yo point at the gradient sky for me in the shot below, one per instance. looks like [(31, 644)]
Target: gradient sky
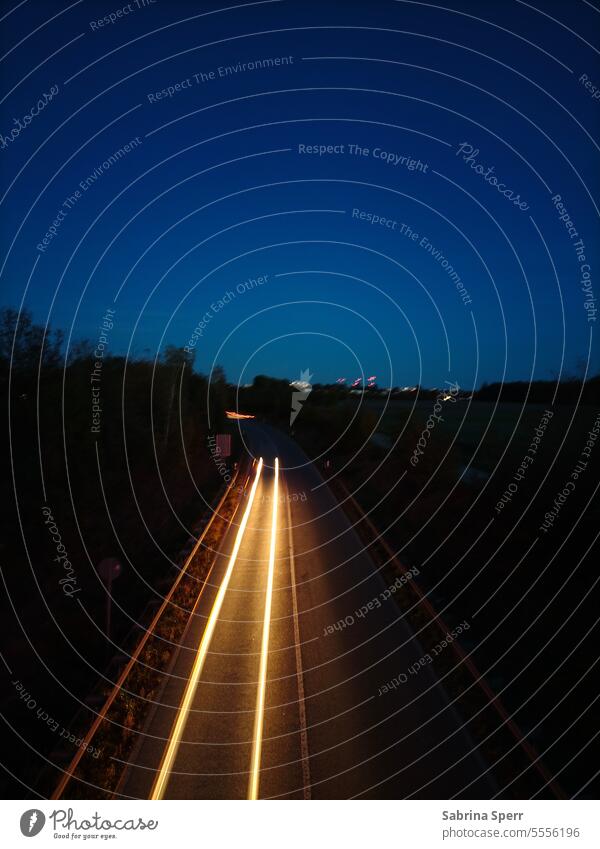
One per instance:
[(216, 192)]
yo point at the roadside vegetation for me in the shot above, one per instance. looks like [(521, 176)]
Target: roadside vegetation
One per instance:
[(130, 482), (527, 593)]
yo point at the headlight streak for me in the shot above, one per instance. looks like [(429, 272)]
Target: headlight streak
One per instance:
[(254, 780), (164, 772)]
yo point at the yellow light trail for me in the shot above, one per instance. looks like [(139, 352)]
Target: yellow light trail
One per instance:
[(161, 781), (264, 656), (233, 415)]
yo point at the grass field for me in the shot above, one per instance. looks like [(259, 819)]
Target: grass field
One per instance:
[(492, 428)]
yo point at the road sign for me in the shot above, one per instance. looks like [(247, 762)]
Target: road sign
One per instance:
[(109, 569), (224, 444)]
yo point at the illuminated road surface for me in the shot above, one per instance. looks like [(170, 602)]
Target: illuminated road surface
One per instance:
[(187, 703), (261, 702)]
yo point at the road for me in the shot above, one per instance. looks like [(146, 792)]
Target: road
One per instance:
[(266, 699)]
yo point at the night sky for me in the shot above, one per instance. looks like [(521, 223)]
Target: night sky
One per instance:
[(234, 212)]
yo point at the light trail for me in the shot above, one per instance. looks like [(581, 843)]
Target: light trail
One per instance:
[(161, 781), (231, 414), (264, 656)]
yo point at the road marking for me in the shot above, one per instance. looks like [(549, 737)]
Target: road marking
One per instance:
[(299, 671), (264, 657), (161, 781)]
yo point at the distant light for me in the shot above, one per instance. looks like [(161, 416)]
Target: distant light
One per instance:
[(233, 415)]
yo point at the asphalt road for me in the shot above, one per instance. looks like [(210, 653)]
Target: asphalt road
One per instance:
[(326, 730)]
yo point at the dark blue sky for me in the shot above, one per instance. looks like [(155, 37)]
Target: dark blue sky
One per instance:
[(215, 190)]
